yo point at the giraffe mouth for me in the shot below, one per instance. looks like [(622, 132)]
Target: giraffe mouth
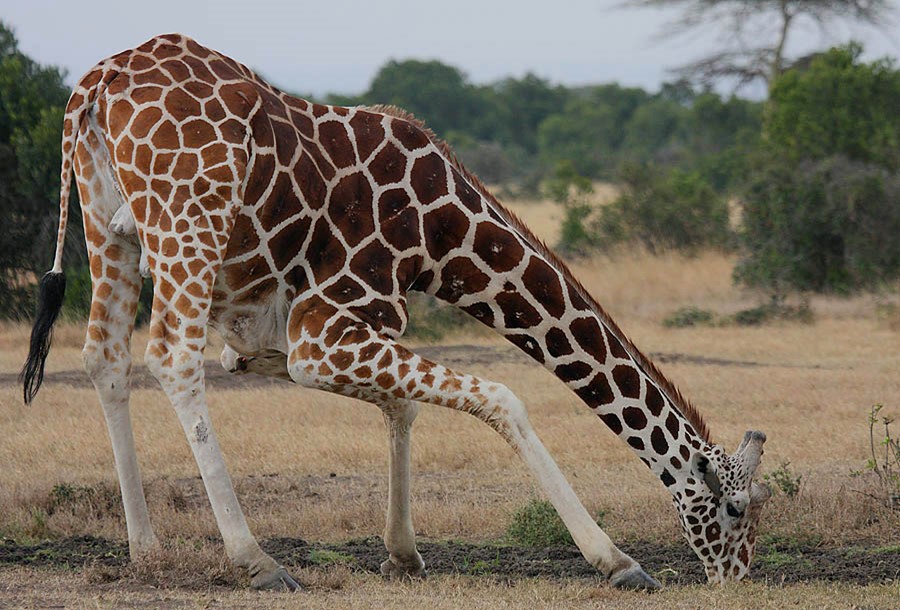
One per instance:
[(242, 364)]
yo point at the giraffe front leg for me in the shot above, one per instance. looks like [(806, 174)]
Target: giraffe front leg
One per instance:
[(404, 560), (335, 353), (175, 357), (107, 361)]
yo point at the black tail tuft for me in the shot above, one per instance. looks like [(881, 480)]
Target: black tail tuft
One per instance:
[(50, 300)]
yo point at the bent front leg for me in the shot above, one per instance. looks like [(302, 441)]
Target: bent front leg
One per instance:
[(336, 353), (404, 559)]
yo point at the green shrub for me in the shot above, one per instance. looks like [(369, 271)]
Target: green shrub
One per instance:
[(828, 225), (689, 316), (784, 480), (884, 460), (776, 309), (537, 524), (674, 211), (77, 300)]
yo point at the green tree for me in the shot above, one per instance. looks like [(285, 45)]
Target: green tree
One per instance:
[(433, 91), (525, 103), (838, 106), (822, 207), (828, 225), (32, 98), (590, 130)]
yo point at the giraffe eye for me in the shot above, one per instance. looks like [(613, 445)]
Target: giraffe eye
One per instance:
[(732, 511)]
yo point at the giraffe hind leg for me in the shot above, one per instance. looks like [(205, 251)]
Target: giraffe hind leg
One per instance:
[(107, 347)]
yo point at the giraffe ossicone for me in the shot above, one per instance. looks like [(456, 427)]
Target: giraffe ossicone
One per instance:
[(295, 230)]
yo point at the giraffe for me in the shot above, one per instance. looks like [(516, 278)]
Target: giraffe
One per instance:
[(295, 230)]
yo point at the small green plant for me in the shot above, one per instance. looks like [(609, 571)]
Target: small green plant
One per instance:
[(884, 460), (481, 566), (784, 480), (37, 526), (538, 524), (689, 316), (65, 494), (776, 309), (324, 557)]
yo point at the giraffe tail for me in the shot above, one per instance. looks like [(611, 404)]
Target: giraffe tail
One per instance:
[(53, 285)]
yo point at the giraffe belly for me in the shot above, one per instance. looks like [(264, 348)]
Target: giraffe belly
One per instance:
[(256, 330)]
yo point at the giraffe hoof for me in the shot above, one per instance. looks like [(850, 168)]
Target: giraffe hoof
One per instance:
[(634, 578), (394, 571), (274, 580)]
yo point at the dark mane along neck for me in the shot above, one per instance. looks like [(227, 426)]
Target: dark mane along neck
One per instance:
[(579, 297)]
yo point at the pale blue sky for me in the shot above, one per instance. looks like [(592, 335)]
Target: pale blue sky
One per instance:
[(318, 47)]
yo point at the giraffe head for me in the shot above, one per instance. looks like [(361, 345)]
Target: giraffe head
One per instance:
[(719, 506)]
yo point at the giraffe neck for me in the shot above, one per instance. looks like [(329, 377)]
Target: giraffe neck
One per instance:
[(514, 284)]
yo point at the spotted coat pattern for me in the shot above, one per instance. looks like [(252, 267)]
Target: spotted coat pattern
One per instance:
[(296, 230)]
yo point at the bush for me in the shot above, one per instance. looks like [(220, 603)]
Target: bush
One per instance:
[(785, 480), (775, 309), (679, 210), (538, 524), (689, 316), (884, 460), (827, 225)]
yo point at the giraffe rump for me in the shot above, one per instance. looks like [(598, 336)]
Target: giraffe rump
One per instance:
[(682, 404), (50, 300)]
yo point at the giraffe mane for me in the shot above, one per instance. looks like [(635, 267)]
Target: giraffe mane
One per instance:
[(681, 403)]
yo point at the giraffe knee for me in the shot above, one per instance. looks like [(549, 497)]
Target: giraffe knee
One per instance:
[(503, 411), (400, 415), (107, 373)]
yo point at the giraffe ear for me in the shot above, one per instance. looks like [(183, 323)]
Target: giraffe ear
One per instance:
[(706, 471)]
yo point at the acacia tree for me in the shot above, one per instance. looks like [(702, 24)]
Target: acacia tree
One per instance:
[(755, 33)]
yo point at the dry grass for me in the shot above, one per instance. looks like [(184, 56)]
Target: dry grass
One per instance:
[(312, 465), (42, 589)]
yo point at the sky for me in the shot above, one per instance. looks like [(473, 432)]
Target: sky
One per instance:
[(338, 45)]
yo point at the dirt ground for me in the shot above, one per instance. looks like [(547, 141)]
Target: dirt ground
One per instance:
[(674, 564)]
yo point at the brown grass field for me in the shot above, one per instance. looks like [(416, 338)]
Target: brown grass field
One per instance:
[(312, 466)]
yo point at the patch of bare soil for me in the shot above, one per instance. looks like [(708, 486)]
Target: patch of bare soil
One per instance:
[(218, 378), (674, 564)]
